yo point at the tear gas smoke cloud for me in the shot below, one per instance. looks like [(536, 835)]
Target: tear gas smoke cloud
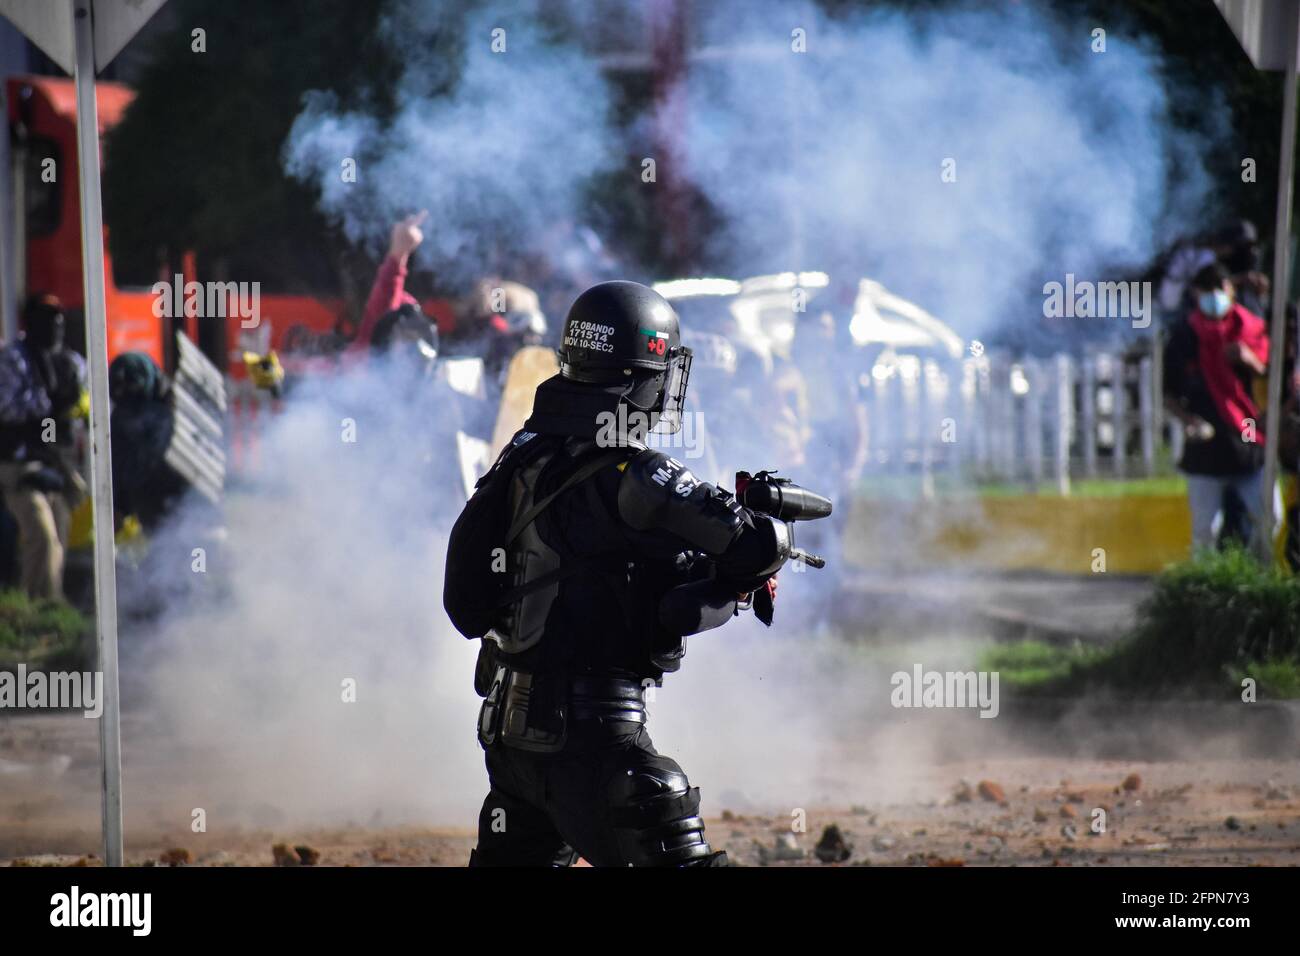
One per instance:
[(1063, 162), (499, 161), (333, 571), (1066, 160)]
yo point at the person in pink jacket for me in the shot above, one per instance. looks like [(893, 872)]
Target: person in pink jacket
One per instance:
[(389, 290)]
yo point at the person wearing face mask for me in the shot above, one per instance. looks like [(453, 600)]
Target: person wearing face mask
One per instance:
[(1212, 362), (1237, 247)]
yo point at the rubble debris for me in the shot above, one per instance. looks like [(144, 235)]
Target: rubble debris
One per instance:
[(833, 847), (308, 856), (988, 790), (176, 856), (785, 849), (284, 856)]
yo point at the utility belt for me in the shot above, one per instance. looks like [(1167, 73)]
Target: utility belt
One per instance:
[(535, 711)]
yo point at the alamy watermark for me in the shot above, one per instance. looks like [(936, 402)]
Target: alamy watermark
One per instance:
[(55, 690), (613, 427), (131, 911), (945, 689), (208, 300), (1084, 299)]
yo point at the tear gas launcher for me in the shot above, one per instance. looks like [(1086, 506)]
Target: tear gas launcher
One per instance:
[(782, 499)]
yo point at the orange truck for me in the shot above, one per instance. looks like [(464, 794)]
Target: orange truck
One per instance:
[(42, 124)]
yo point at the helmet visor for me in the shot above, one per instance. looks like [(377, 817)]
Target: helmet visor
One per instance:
[(679, 371)]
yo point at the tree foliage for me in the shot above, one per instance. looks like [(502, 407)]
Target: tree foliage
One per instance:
[(196, 161)]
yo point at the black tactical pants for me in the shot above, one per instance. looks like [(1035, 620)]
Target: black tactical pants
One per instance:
[(608, 796)]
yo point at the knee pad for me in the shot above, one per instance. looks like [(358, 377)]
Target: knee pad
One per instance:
[(655, 814)]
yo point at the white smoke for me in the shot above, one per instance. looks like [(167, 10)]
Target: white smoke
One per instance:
[(332, 574), (499, 156), (829, 159), (1058, 158)]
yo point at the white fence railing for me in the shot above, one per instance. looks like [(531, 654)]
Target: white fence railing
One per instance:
[(1037, 421)]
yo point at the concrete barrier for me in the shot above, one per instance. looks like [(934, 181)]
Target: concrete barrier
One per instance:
[(1132, 534)]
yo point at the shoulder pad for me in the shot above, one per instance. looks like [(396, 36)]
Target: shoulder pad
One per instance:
[(660, 493)]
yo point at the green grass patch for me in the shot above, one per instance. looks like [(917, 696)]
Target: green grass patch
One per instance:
[(1033, 665), (1278, 680), (40, 633), (1209, 623)]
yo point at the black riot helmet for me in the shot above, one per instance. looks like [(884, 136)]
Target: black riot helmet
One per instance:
[(624, 334)]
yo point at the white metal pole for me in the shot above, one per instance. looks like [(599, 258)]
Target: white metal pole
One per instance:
[(10, 237), (101, 467), (1281, 288), (1088, 414), (1064, 422), (1119, 408), (1033, 409), (1147, 414)]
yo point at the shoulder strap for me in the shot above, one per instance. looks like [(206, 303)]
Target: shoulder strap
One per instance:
[(570, 568), (581, 474)]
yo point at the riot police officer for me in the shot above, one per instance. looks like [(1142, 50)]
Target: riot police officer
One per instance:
[(615, 553)]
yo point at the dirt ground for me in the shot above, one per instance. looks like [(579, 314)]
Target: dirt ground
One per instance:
[(1014, 809)]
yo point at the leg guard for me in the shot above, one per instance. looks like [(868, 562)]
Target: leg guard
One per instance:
[(655, 815)]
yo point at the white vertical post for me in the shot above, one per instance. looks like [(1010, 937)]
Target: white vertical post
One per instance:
[(1088, 415), (981, 421), (996, 389), (1281, 286), (1034, 400), (101, 468), (1120, 417), (1064, 422), (990, 417), (10, 238), (1007, 424), (962, 407), (1147, 414), (925, 435)]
